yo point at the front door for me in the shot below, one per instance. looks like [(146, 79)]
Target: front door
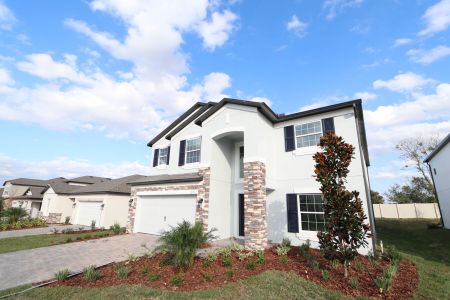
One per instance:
[(241, 215)]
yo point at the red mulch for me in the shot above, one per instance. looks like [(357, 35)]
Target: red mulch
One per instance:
[(200, 277)]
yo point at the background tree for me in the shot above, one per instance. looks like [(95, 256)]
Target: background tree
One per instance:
[(376, 197), (345, 229), (418, 189)]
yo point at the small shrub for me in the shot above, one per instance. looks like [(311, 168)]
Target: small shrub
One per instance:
[(207, 277), (91, 274), (176, 280), (87, 236), (251, 265), (359, 266), (69, 240), (67, 231), (354, 282), (54, 231), (183, 241), (261, 257), (236, 247), (304, 249), (78, 238), (122, 271), (335, 263), (67, 220), (14, 214), (225, 252), (325, 275), (393, 254), (153, 277), (132, 258), (93, 224), (210, 258), (229, 273), (312, 263), (144, 269), (383, 283), (282, 250), (244, 255), (62, 275), (227, 262), (286, 242), (284, 260), (116, 228)]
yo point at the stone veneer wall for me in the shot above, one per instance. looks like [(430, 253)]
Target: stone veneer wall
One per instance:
[(202, 187), (52, 218), (255, 199)]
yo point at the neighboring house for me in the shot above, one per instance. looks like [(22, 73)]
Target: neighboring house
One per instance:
[(58, 202), (26, 193), (241, 168), (105, 202), (439, 163)]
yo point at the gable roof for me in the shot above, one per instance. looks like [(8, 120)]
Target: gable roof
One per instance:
[(113, 186), (88, 179), (439, 147), (32, 182), (37, 193), (203, 114)]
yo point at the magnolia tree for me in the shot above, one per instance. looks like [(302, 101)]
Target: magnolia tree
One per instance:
[(345, 229)]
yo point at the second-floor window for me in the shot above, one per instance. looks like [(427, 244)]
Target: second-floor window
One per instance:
[(163, 153), (193, 147), (308, 134)]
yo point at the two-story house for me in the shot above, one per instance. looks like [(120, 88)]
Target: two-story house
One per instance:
[(248, 172)]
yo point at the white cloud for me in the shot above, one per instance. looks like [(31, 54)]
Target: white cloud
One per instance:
[(402, 41), (316, 103), (261, 99), (6, 81), (427, 57), (297, 26), (365, 96), (216, 32), (436, 18), (333, 7), (66, 167), (7, 18), (132, 102), (404, 82)]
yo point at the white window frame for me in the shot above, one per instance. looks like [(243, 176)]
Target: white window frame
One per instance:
[(165, 163), (238, 178), (304, 135), (199, 149), (300, 212)]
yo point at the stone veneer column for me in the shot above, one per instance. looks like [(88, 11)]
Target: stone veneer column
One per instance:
[(202, 187), (255, 198), (202, 214)]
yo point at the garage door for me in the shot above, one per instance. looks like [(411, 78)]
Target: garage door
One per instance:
[(87, 212), (155, 214)]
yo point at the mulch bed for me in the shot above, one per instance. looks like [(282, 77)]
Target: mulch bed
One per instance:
[(201, 277)]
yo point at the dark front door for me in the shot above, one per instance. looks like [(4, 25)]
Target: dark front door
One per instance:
[(241, 215)]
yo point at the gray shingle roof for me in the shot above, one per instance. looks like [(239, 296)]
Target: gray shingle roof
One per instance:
[(115, 186), (37, 193), (157, 179), (89, 179)]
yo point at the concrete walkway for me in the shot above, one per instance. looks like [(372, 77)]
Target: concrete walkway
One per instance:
[(36, 231), (34, 265)]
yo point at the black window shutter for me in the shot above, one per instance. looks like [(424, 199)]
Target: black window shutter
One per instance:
[(182, 153), (289, 138), (168, 155), (155, 157), (292, 212), (328, 125)]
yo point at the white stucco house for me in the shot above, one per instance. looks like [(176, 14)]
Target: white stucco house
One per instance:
[(241, 168), (439, 164), (58, 201)]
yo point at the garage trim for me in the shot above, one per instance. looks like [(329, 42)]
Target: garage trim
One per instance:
[(168, 193)]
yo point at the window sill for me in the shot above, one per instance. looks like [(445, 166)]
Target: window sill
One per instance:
[(306, 151), (191, 166), (161, 167)]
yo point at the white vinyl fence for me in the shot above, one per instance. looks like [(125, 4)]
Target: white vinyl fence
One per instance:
[(407, 211)]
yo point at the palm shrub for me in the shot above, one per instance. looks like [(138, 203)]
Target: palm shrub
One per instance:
[(183, 241), (14, 214), (345, 228)]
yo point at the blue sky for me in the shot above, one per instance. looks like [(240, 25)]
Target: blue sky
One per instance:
[(85, 84)]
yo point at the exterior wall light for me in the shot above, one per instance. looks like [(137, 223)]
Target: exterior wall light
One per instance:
[(199, 203)]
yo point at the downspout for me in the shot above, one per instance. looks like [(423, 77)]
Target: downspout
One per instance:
[(435, 193)]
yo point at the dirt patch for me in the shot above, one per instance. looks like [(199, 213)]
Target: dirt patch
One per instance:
[(201, 276)]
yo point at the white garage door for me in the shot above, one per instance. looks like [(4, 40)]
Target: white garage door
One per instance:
[(87, 212), (155, 214)]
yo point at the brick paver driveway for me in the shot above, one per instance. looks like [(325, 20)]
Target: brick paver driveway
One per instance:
[(36, 231), (34, 265)]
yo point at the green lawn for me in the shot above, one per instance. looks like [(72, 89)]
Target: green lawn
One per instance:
[(428, 248), (42, 240)]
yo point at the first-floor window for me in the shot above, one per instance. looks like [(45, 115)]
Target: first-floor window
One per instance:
[(193, 150), (311, 212), (163, 156)]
